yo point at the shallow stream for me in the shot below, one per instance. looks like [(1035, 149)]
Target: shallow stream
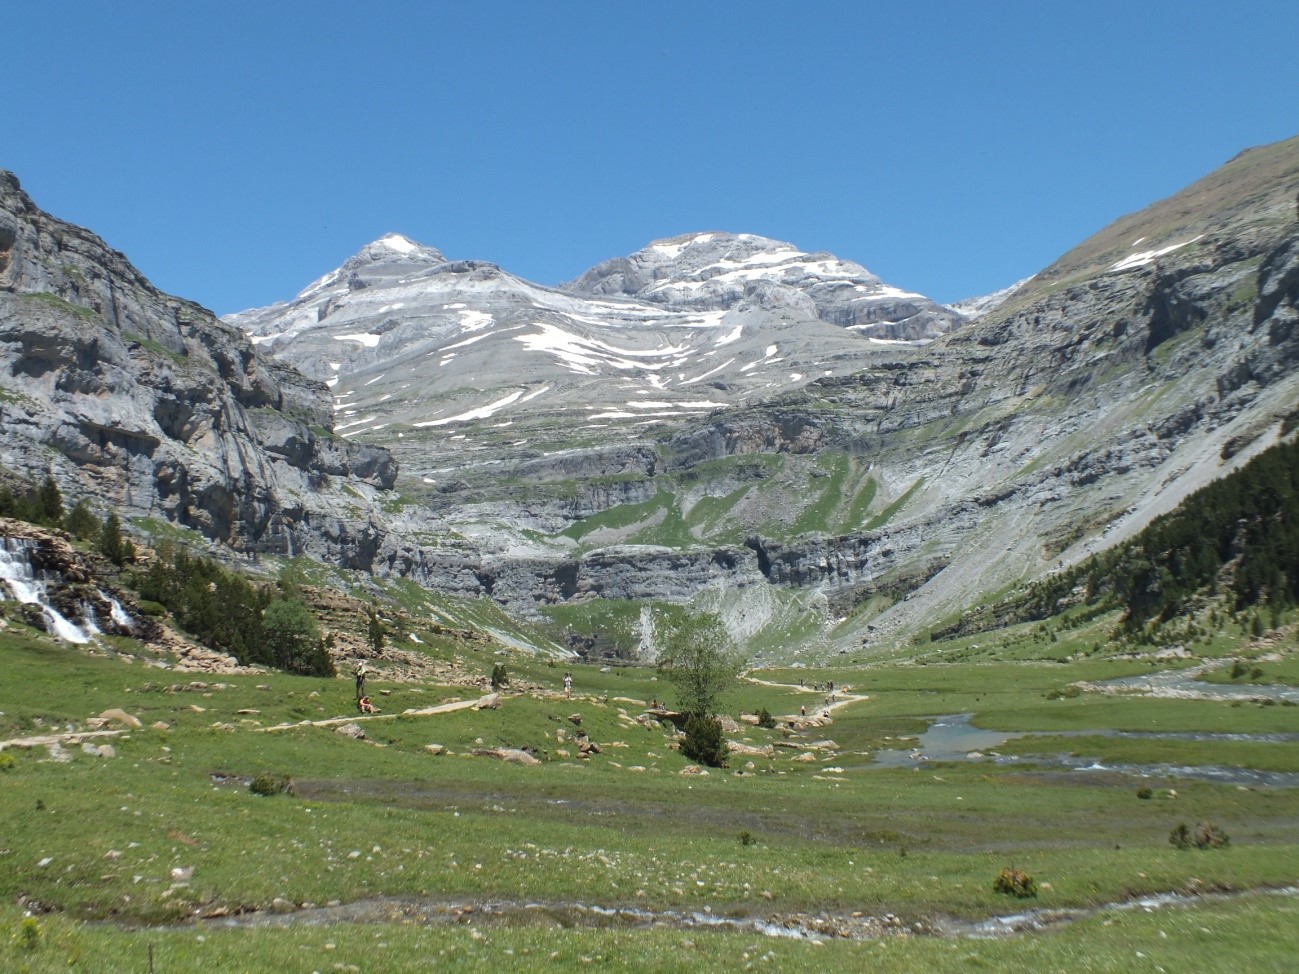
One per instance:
[(953, 738), (433, 912)]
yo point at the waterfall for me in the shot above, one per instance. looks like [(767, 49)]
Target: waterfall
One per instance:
[(16, 572), (120, 618), (117, 613)]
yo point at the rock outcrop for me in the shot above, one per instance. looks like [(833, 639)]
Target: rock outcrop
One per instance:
[(149, 404)]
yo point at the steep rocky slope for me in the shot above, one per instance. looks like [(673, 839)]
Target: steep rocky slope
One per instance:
[(889, 499), (148, 404), (866, 504)]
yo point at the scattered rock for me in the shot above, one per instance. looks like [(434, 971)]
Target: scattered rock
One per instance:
[(352, 730), (575, 719), (513, 755), (749, 751), (807, 757), (490, 702), (160, 725), (692, 769), (435, 748), (121, 716)]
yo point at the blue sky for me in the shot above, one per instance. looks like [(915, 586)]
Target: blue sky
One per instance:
[(235, 151)]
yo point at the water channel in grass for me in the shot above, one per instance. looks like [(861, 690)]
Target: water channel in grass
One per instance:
[(953, 737), (435, 912)]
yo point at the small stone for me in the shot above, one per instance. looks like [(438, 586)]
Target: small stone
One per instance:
[(435, 748)]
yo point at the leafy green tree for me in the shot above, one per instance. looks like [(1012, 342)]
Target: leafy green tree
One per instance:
[(80, 523), (500, 676), (49, 502), (291, 579), (111, 543), (374, 630), (701, 661), (293, 639), (705, 741)]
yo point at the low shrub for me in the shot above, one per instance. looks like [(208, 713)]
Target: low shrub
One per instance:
[(271, 784), (7, 762), (1210, 836), (1065, 693), (1145, 792), (765, 719), (705, 742), (1013, 882), (1206, 835), (500, 676), (29, 933), (747, 838)]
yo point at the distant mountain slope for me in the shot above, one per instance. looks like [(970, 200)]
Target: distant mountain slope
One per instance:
[(1249, 197), (683, 426), (885, 496)]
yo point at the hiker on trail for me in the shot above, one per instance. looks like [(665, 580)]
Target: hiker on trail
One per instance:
[(568, 684), (802, 711), (362, 671)]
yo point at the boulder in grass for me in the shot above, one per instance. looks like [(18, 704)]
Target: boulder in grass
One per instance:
[(513, 755), (120, 716)]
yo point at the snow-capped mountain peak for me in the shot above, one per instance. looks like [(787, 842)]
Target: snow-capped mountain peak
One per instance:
[(410, 341)]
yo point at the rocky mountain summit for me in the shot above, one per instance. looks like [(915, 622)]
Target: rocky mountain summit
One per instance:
[(715, 271), (411, 341)]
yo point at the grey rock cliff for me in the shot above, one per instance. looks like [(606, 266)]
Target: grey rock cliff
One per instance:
[(148, 404)]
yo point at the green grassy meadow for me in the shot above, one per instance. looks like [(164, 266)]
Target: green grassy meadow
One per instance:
[(162, 842)]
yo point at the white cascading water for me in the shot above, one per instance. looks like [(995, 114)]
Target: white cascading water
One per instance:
[(16, 573), (119, 615)]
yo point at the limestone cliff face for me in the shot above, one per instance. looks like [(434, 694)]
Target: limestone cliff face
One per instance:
[(1148, 361), (1095, 396), (148, 404)]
